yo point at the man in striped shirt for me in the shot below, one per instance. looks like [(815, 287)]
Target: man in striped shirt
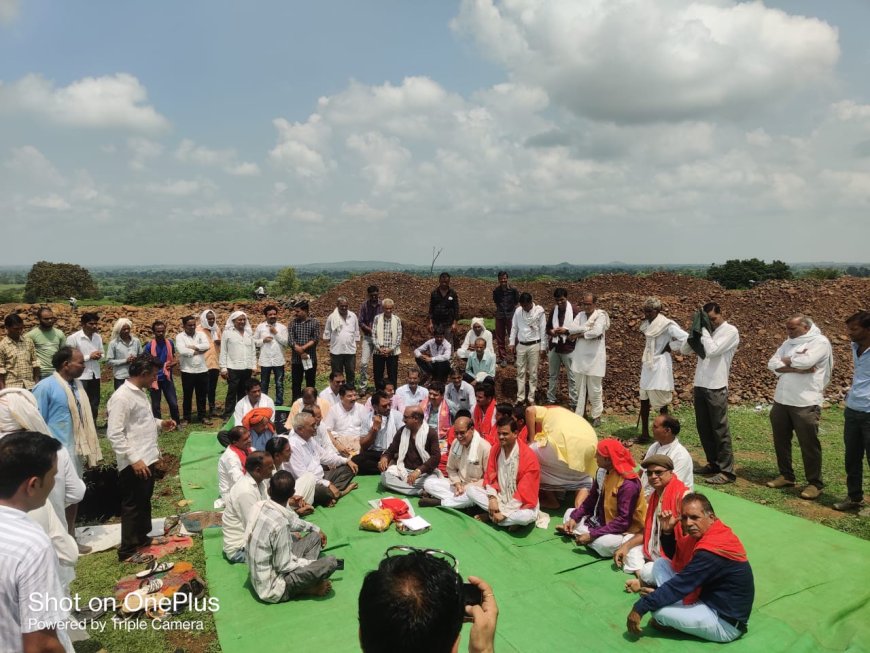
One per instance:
[(32, 617), (284, 565)]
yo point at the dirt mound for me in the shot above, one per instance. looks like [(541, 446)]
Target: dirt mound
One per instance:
[(759, 314)]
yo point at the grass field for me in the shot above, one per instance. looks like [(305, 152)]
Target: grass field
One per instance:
[(755, 464)]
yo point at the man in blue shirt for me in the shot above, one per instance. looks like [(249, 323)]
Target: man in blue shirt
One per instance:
[(856, 430), (714, 577)]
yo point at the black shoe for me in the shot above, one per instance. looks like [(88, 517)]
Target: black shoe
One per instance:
[(339, 566), (706, 470), (429, 502)]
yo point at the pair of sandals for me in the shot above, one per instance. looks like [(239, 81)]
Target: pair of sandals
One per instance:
[(140, 558)]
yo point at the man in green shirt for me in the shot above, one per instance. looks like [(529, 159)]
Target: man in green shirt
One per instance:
[(47, 339)]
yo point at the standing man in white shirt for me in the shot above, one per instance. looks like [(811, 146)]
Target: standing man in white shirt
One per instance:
[(272, 337), (803, 365), (238, 358), (132, 432), (589, 359), (192, 346), (657, 367), (711, 395), (528, 340), (28, 562), (342, 332), (88, 341)]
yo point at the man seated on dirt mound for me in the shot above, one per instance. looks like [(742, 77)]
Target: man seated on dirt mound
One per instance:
[(412, 457), (308, 456), (615, 509), (433, 357), (565, 445), (282, 564), (480, 367), (511, 483), (711, 596)]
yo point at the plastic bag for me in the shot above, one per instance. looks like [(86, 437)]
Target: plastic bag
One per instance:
[(376, 519)]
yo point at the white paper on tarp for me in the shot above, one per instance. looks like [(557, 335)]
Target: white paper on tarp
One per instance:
[(415, 524), (376, 503), (103, 537)]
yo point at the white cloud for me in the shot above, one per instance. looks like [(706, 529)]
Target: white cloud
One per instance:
[(190, 151), (641, 61), (53, 202), (143, 149), (220, 208), (9, 10), (301, 147), (244, 169), (384, 159), (116, 101), (181, 187), (363, 211), (29, 161), (306, 215)]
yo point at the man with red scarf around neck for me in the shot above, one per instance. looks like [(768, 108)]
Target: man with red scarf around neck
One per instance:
[(711, 596)]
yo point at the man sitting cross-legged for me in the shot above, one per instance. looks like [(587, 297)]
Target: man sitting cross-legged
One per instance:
[(282, 564), (231, 464), (413, 455), (637, 555), (466, 463), (344, 422), (615, 508), (308, 456), (711, 596), (512, 481), (243, 495), (380, 427)]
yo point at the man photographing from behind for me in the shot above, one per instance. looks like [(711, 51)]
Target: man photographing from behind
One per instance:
[(414, 601)]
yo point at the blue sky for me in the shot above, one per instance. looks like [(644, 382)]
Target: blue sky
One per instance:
[(526, 131)]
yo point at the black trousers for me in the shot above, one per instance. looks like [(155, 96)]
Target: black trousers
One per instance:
[(213, 376), (297, 373), (92, 389), (391, 363), (235, 389), (856, 436), (135, 510), (340, 477), (194, 384), (367, 461)]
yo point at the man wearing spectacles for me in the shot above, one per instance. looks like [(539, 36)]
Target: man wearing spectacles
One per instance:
[(637, 554), (413, 455), (414, 601), (707, 587)]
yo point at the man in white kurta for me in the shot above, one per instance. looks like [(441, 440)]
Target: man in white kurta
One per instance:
[(657, 368), (272, 338), (254, 398), (665, 430), (478, 330), (589, 359), (342, 332), (344, 422), (466, 464), (333, 473), (250, 489)]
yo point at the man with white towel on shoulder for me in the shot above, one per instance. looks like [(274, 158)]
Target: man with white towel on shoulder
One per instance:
[(589, 360)]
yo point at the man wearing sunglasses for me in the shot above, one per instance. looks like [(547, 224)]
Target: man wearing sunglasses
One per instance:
[(415, 601)]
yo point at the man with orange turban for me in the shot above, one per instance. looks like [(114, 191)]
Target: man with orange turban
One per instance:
[(615, 508), (259, 423)]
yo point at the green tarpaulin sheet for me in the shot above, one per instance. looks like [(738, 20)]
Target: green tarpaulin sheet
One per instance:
[(812, 582)]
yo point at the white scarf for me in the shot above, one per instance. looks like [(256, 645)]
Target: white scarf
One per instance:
[(653, 330), (84, 431), (474, 447), (597, 315), (394, 330), (507, 474), (419, 442), (810, 337), (234, 316), (335, 321), (569, 317), (23, 412), (203, 322), (532, 318)]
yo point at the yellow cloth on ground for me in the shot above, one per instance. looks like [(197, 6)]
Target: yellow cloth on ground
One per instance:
[(573, 437)]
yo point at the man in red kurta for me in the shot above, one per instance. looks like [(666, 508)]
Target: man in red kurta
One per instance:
[(511, 482), (484, 413)]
